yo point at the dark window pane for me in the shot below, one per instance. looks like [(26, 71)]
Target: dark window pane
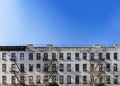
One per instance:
[(68, 56), (76, 67), (30, 56), (38, 56), (108, 56), (115, 56), (61, 56), (84, 56)]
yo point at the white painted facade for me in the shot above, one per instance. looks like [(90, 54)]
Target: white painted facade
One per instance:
[(73, 61)]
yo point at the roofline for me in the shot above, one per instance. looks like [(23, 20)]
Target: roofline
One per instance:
[(75, 46)]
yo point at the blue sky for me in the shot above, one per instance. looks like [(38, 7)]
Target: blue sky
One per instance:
[(59, 22)]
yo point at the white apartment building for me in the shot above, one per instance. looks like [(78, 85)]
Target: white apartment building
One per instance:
[(68, 66)]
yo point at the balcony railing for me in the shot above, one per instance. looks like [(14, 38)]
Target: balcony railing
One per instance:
[(49, 71), (100, 84), (12, 59), (13, 70), (45, 69), (45, 59), (96, 59), (52, 59), (22, 70)]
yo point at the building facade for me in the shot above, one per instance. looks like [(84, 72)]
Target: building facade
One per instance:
[(67, 66)]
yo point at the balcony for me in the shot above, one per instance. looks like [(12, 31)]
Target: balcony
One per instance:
[(13, 59), (13, 70), (50, 71), (46, 69), (54, 70), (22, 70), (102, 59), (84, 70), (85, 82), (96, 60), (100, 84), (46, 59), (99, 72)]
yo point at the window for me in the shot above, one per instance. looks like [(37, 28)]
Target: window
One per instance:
[(45, 56), (45, 67), (108, 56), (45, 78), (77, 79), (115, 56), (13, 56), (61, 56), (77, 56), (92, 79), (54, 79), (115, 79), (115, 67), (38, 67), (91, 56), (4, 79), (100, 56), (38, 80), (54, 67), (76, 67), (68, 67), (22, 68), (101, 67), (13, 79), (108, 79), (61, 67), (3, 56), (13, 68), (54, 56), (68, 79), (21, 56), (91, 67), (84, 67), (3, 67), (30, 79), (38, 56), (84, 56), (107, 67), (61, 79), (22, 78), (30, 56), (84, 79), (68, 56), (30, 67), (100, 79)]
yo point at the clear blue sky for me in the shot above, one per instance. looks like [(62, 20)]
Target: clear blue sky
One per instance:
[(59, 22)]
